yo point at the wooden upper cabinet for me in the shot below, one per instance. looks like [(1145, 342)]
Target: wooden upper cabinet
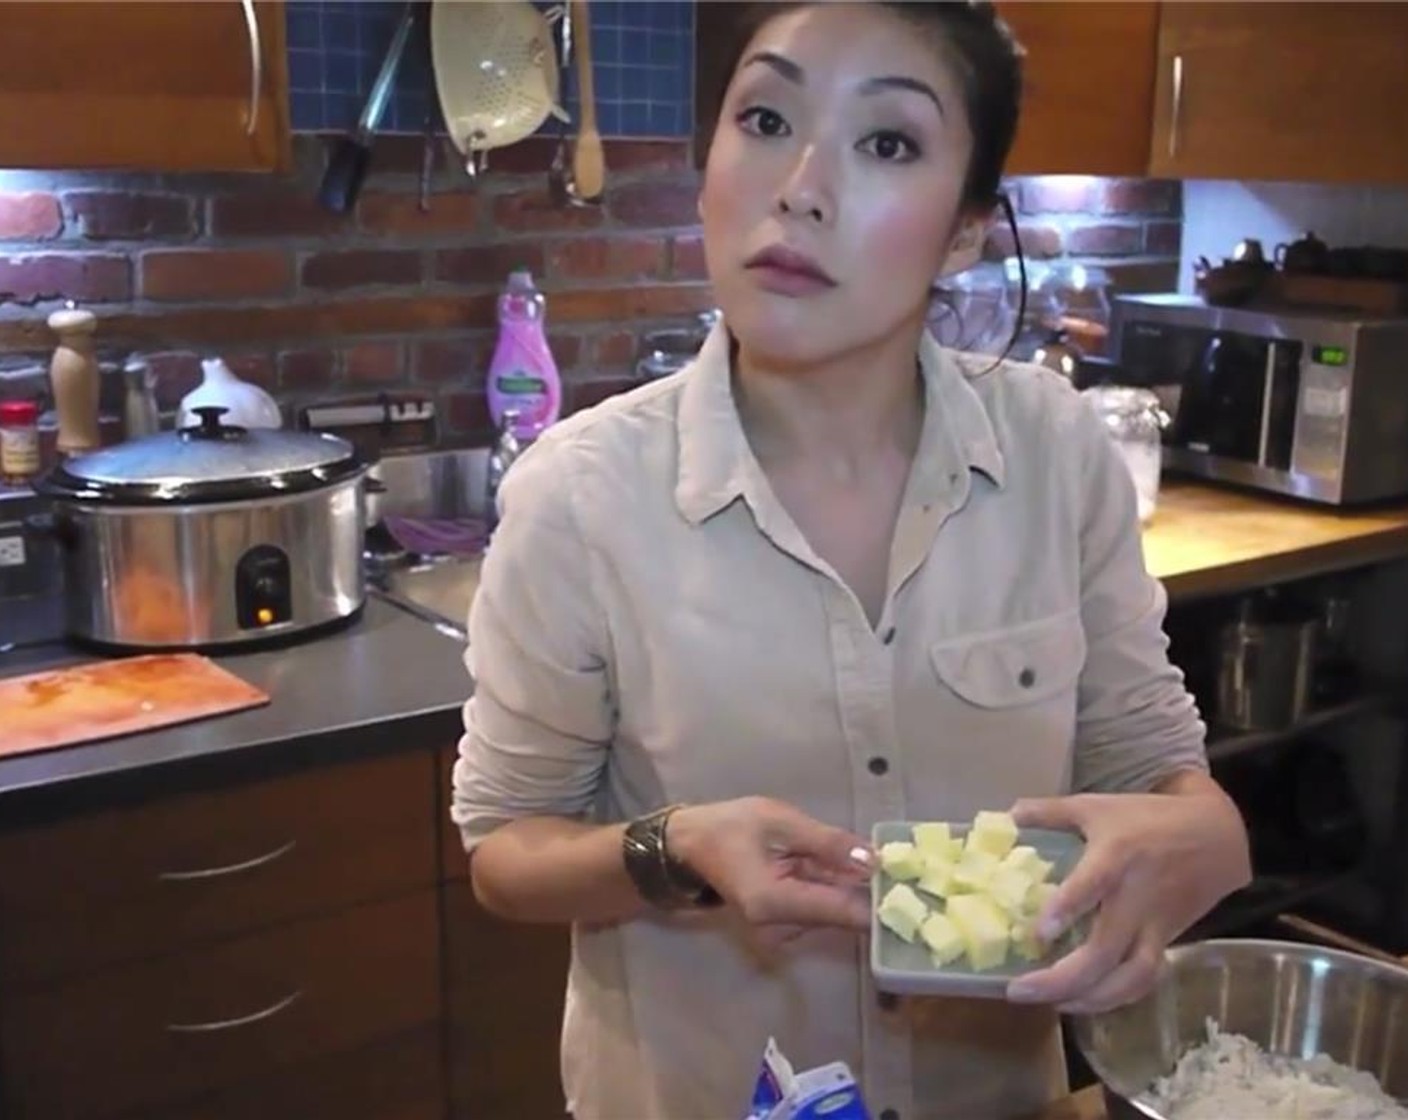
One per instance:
[(144, 85), (1089, 86), (1282, 91)]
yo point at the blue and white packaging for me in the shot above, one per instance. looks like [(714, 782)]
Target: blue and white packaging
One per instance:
[(828, 1092)]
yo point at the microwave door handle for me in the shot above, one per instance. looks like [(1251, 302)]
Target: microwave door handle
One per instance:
[(1268, 394)]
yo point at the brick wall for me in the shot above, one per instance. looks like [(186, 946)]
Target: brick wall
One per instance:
[(310, 304), (1130, 227)]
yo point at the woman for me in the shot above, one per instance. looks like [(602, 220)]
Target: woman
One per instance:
[(830, 574)]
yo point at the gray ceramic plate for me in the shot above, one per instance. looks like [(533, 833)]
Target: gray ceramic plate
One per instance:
[(909, 970)]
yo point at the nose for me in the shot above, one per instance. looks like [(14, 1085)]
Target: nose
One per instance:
[(805, 192)]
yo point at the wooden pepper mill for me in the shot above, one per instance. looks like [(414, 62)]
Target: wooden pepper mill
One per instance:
[(73, 374)]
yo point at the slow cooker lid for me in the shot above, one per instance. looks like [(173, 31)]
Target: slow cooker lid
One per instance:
[(206, 462)]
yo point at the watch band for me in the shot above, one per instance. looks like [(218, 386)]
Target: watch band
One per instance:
[(661, 880)]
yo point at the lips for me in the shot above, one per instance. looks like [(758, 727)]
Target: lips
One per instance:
[(784, 263)]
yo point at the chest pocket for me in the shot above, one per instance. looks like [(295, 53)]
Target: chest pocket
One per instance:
[(1027, 664)]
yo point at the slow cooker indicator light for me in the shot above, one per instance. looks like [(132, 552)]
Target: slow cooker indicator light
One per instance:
[(265, 616)]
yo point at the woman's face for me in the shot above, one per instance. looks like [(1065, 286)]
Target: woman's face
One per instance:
[(832, 190)]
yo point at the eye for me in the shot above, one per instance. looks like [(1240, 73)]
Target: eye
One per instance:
[(890, 146), (762, 121)]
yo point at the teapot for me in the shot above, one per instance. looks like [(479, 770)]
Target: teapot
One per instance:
[(1306, 254), (246, 404)]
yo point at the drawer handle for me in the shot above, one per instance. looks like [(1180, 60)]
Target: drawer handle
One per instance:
[(243, 1021), (256, 65), (229, 868)]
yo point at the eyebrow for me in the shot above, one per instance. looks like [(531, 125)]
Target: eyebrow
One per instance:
[(788, 69)]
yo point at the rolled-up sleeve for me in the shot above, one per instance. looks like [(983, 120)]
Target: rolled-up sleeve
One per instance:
[(540, 719), (1137, 722)]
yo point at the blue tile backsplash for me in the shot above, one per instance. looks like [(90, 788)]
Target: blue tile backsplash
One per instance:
[(643, 55)]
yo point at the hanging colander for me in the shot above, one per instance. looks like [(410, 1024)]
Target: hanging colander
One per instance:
[(496, 72)]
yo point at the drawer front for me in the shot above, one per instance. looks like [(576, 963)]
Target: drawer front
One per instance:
[(166, 1030), (454, 862), (399, 1078), (163, 876), (506, 985)]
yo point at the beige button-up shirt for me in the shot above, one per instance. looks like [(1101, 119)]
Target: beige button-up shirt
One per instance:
[(652, 627)]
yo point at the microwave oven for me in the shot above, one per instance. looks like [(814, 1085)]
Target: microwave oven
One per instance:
[(1311, 404)]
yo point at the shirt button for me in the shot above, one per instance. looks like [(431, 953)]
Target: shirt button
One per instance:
[(889, 636), (878, 766), (890, 1114), (1026, 678), (888, 1001)]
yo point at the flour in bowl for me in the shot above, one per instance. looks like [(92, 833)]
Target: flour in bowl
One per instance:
[(1229, 1077)]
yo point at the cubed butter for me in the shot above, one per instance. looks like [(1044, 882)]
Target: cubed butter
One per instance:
[(903, 911), (984, 928), (973, 871), (993, 832), (1037, 898), (932, 837), (1025, 942), (1009, 888), (900, 859), (943, 939), (937, 878), (1029, 861)]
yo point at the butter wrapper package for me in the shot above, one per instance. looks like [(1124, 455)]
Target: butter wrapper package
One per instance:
[(828, 1092)]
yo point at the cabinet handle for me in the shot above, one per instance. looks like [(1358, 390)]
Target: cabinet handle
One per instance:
[(229, 868), (216, 1025), (256, 65), (1177, 115)]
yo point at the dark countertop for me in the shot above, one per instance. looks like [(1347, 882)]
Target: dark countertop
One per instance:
[(389, 681)]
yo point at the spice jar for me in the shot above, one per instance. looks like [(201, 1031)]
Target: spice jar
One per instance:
[(19, 441), (1135, 419)]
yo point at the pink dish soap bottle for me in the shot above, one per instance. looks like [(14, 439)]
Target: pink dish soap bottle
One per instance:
[(523, 377)]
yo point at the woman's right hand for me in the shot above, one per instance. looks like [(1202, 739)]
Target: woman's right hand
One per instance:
[(774, 864)]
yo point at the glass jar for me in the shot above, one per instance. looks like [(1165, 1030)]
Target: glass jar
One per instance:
[(19, 441), (668, 351), (1135, 420)]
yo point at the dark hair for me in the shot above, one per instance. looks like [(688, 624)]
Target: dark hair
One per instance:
[(981, 46), (989, 61)]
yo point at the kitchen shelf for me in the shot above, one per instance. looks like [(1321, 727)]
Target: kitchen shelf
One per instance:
[(1231, 744)]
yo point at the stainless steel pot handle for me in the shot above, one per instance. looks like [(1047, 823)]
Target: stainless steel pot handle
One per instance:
[(229, 868), (256, 64), (216, 1025)]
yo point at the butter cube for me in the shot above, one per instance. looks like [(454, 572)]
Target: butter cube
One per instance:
[(1029, 861), (1009, 888), (943, 939), (1025, 941), (984, 928), (993, 832), (1037, 898), (933, 839), (937, 878), (899, 859), (902, 911), (973, 871)]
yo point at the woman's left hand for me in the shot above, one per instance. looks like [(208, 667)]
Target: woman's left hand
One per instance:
[(1153, 865)]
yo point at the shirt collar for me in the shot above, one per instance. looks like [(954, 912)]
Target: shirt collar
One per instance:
[(716, 463)]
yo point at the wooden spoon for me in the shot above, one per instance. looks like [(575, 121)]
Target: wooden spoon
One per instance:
[(588, 159)]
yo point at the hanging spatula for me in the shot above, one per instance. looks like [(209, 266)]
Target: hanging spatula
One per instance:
[(588, 158)]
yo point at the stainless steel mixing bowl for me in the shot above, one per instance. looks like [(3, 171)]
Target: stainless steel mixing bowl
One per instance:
[(1292, 999)]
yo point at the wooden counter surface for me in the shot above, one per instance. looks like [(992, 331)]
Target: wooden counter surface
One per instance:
[(1088, 1104), (1208, 540)]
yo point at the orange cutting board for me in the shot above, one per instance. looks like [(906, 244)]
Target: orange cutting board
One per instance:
[(105, 699)]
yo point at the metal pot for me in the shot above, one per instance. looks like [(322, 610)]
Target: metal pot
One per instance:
[(210, 536), (1266, 662)]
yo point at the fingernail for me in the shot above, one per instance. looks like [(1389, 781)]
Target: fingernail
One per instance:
[(861, 856), (1020, 991), (1049, 929)]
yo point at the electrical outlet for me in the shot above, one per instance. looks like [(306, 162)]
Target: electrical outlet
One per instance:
[(11, 552)]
